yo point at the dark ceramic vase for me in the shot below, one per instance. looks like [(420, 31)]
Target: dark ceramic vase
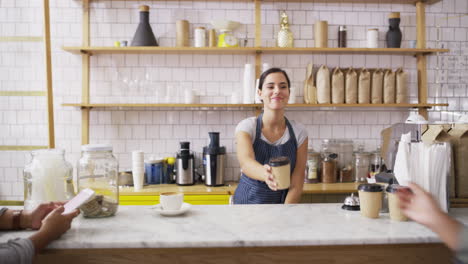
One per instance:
[(144, 34), (394, 33)]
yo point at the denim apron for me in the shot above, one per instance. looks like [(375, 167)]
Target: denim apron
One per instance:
[(251, 191)]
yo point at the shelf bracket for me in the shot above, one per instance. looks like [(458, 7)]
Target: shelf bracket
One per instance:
[(85, 52)]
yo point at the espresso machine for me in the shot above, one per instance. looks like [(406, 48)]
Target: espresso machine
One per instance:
[(184, 166), (213, 161)]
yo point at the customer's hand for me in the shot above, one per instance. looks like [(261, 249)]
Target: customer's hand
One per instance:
[(56, 223), (419, 205), (33, 219), (269, 178), (53, 226)]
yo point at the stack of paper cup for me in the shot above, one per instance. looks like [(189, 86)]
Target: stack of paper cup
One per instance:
[(249, 82), (138, 169)]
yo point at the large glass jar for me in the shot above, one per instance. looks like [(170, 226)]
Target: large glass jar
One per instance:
[(344, 162), (48, 177), (361, 165), (313, 168), (375, 163), (98, 170)]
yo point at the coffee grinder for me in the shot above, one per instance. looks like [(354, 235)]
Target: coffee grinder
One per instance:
[(184, 166), (213, 161)]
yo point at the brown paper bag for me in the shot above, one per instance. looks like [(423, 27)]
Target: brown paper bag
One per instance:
[(323, 85), (310, 91), (459, 135), (351, 87), (389, 87), (377, 87), (338, 86), (364, 87), (401, 86)]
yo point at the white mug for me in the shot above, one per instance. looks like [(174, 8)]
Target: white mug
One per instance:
[(171, 200)]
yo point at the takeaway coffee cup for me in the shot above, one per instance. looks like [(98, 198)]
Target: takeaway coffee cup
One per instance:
[(394, 203), (281, 170), (370, 197), (171, 201)]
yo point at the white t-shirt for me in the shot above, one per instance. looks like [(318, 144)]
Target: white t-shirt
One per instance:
[(249, 125)]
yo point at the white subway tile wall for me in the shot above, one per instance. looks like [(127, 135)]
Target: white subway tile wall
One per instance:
[(159, 78)]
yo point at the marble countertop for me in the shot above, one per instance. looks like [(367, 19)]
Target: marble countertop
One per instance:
[(239, 226)]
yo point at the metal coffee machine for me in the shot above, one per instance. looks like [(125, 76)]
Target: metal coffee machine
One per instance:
[(213, 161), (184, 166)]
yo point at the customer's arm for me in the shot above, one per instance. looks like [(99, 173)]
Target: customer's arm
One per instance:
[(20, 250), (50, 228), (422, 208), (53, 226)]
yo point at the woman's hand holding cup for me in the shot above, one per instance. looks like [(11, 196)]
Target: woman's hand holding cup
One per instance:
[(269, 178)]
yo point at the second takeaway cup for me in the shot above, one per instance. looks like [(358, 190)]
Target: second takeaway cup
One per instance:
[(281, 170), (394, 203), (370, 197)]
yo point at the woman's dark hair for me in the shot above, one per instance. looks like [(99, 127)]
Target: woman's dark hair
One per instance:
[(272, 70)]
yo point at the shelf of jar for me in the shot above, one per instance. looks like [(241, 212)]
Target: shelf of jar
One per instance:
[(251, 105), (249, 50)]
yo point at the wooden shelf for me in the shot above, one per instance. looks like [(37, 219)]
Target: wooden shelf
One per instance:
[(161, 105), (410, 2), (379, 51), (21, 39), (404, 2), (154, 50), (249, 50), (252, 105)]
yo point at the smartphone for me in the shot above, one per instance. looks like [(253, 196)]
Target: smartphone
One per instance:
[(84, 196)]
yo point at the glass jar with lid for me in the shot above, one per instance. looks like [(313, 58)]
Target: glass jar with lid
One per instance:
[(361, 165), (375, 163), (98, 170), (313, 167), (48, 177), (344, 161)]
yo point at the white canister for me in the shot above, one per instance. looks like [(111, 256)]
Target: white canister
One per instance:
[(200, 37), (189, 96), (373, 38)]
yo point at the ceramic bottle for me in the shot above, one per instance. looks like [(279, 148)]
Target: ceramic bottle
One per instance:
[(144, 34), (394, 33)]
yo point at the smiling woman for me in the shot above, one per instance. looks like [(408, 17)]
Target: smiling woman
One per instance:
[(268, 136)]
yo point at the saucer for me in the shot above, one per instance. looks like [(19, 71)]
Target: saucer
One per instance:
[(184, 208)]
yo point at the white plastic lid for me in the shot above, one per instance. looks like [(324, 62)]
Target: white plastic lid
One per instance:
[(96, 147), (415, 118), (154, 160)]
